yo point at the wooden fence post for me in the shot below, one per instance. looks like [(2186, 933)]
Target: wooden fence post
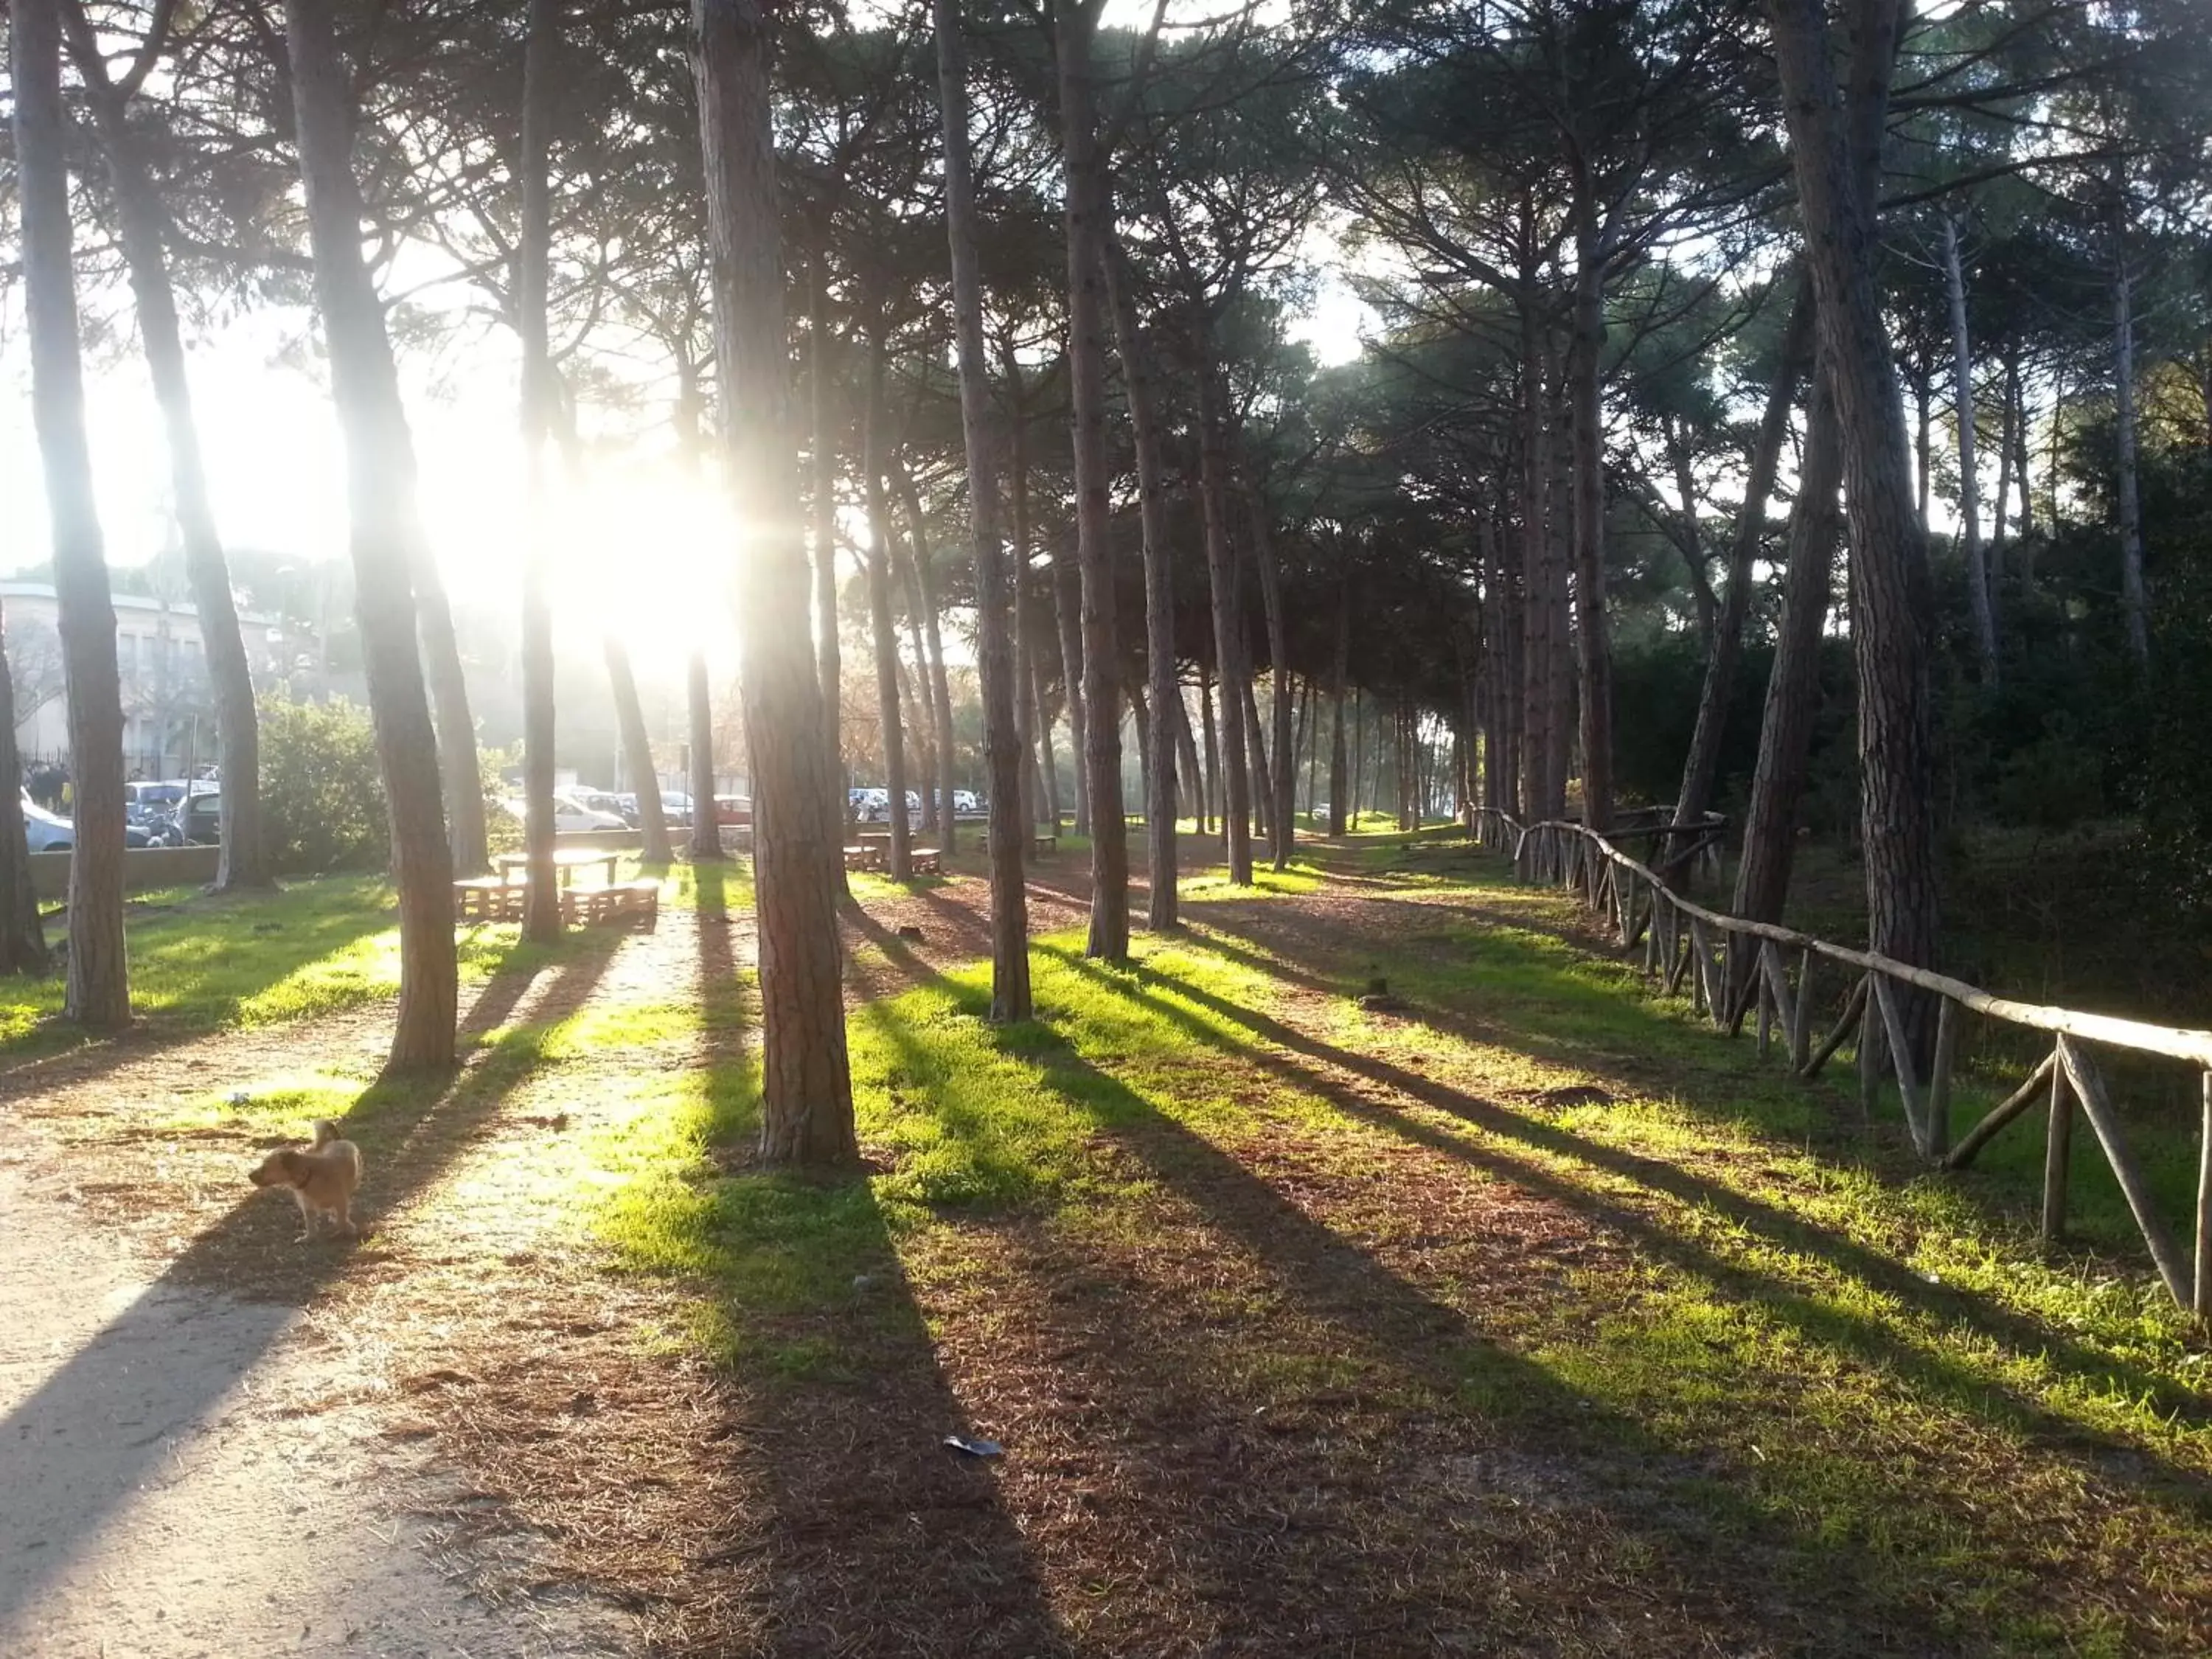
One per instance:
[(1869, 1050), (1939, 1081), (1800, 1013), (2104, 1120), (2058, 1147), (2202, 1302)]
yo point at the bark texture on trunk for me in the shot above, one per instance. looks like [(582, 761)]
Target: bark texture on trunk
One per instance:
[(880, 619), (1339, 674), (1009, 832), (98, 996), (1089, 223), (1725, 657), (385, 540), (924, 571), (142, 225), (1978, 604), (806, 1089), (1066, 597), (637, 747), (22, 939), (1592, 629), (1282, 829), (541, 905), (1793, 690), (1543, 764), (2134, 600), (699, 710), (1229, 652), (1890, 589), (1161, 809)]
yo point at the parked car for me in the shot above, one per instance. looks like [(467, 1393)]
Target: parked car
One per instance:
[(201, 821), (45, 832), (49, 832), (603, 801), (675, 810), (736, 810), (966, 803), (570, 815)]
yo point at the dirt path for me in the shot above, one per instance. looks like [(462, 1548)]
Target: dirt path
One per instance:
[(189, 1474)]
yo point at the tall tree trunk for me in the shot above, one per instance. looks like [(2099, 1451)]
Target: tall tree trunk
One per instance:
[(1192, 781), (1282, 829), (141, 221), (1263, 787), (1089, 218), (1359, 754), (2133, 599), (706, 819), (1003, 755), (1726, 656), (2008, 411), (1228, 621), (1969, 484), (806, 1089), (822, 462), (1066, 596), (1213, 779), (880, 615), (22, 940), (384, 537), (1040, 765), (644, 780), (98, 995), (1339, 674), (1793, 689), (1890, 598), (1031, 713), (932, 637), (2019, 442), (541, 910), (1593, 629), (1160, 806), (1544, 767)]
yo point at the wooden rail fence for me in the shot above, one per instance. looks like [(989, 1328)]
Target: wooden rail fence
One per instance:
[(1735, 967)]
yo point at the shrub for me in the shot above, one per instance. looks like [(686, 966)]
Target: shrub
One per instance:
[(322, 795)]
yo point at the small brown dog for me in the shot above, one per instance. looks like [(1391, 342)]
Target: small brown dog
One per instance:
[(323, 1179)]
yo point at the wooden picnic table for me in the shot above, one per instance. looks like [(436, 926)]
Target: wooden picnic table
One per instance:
[(515, 867)]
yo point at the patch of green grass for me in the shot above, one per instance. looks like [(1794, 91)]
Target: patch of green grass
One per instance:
[(199, 961)]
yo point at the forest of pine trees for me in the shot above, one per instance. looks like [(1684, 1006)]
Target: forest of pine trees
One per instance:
[(1797, 409)]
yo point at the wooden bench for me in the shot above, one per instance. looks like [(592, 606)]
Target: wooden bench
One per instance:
[(1044, 841), (488, 899), (624, 901), (868, 856)]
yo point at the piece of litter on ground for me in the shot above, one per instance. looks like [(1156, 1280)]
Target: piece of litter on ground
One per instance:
[(975, 1448)]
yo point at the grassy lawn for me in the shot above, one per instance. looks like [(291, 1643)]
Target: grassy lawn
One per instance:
[(319, 946), (1752, 1362), (1531, 1316)]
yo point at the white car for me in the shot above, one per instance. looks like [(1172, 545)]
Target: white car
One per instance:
[(570, 815), (44, 832), (964, 802)]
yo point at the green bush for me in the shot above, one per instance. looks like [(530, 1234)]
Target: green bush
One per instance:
[(322, 795)]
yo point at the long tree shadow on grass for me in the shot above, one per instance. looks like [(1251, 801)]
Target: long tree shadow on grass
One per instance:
[(1341, 1462), (1974, 1392), (853, 1528), (1549, 1012), (409, 1131)]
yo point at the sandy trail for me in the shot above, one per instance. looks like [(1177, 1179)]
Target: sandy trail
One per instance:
[(185, 1473)]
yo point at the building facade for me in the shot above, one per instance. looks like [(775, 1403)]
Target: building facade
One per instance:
[(168, 711)]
